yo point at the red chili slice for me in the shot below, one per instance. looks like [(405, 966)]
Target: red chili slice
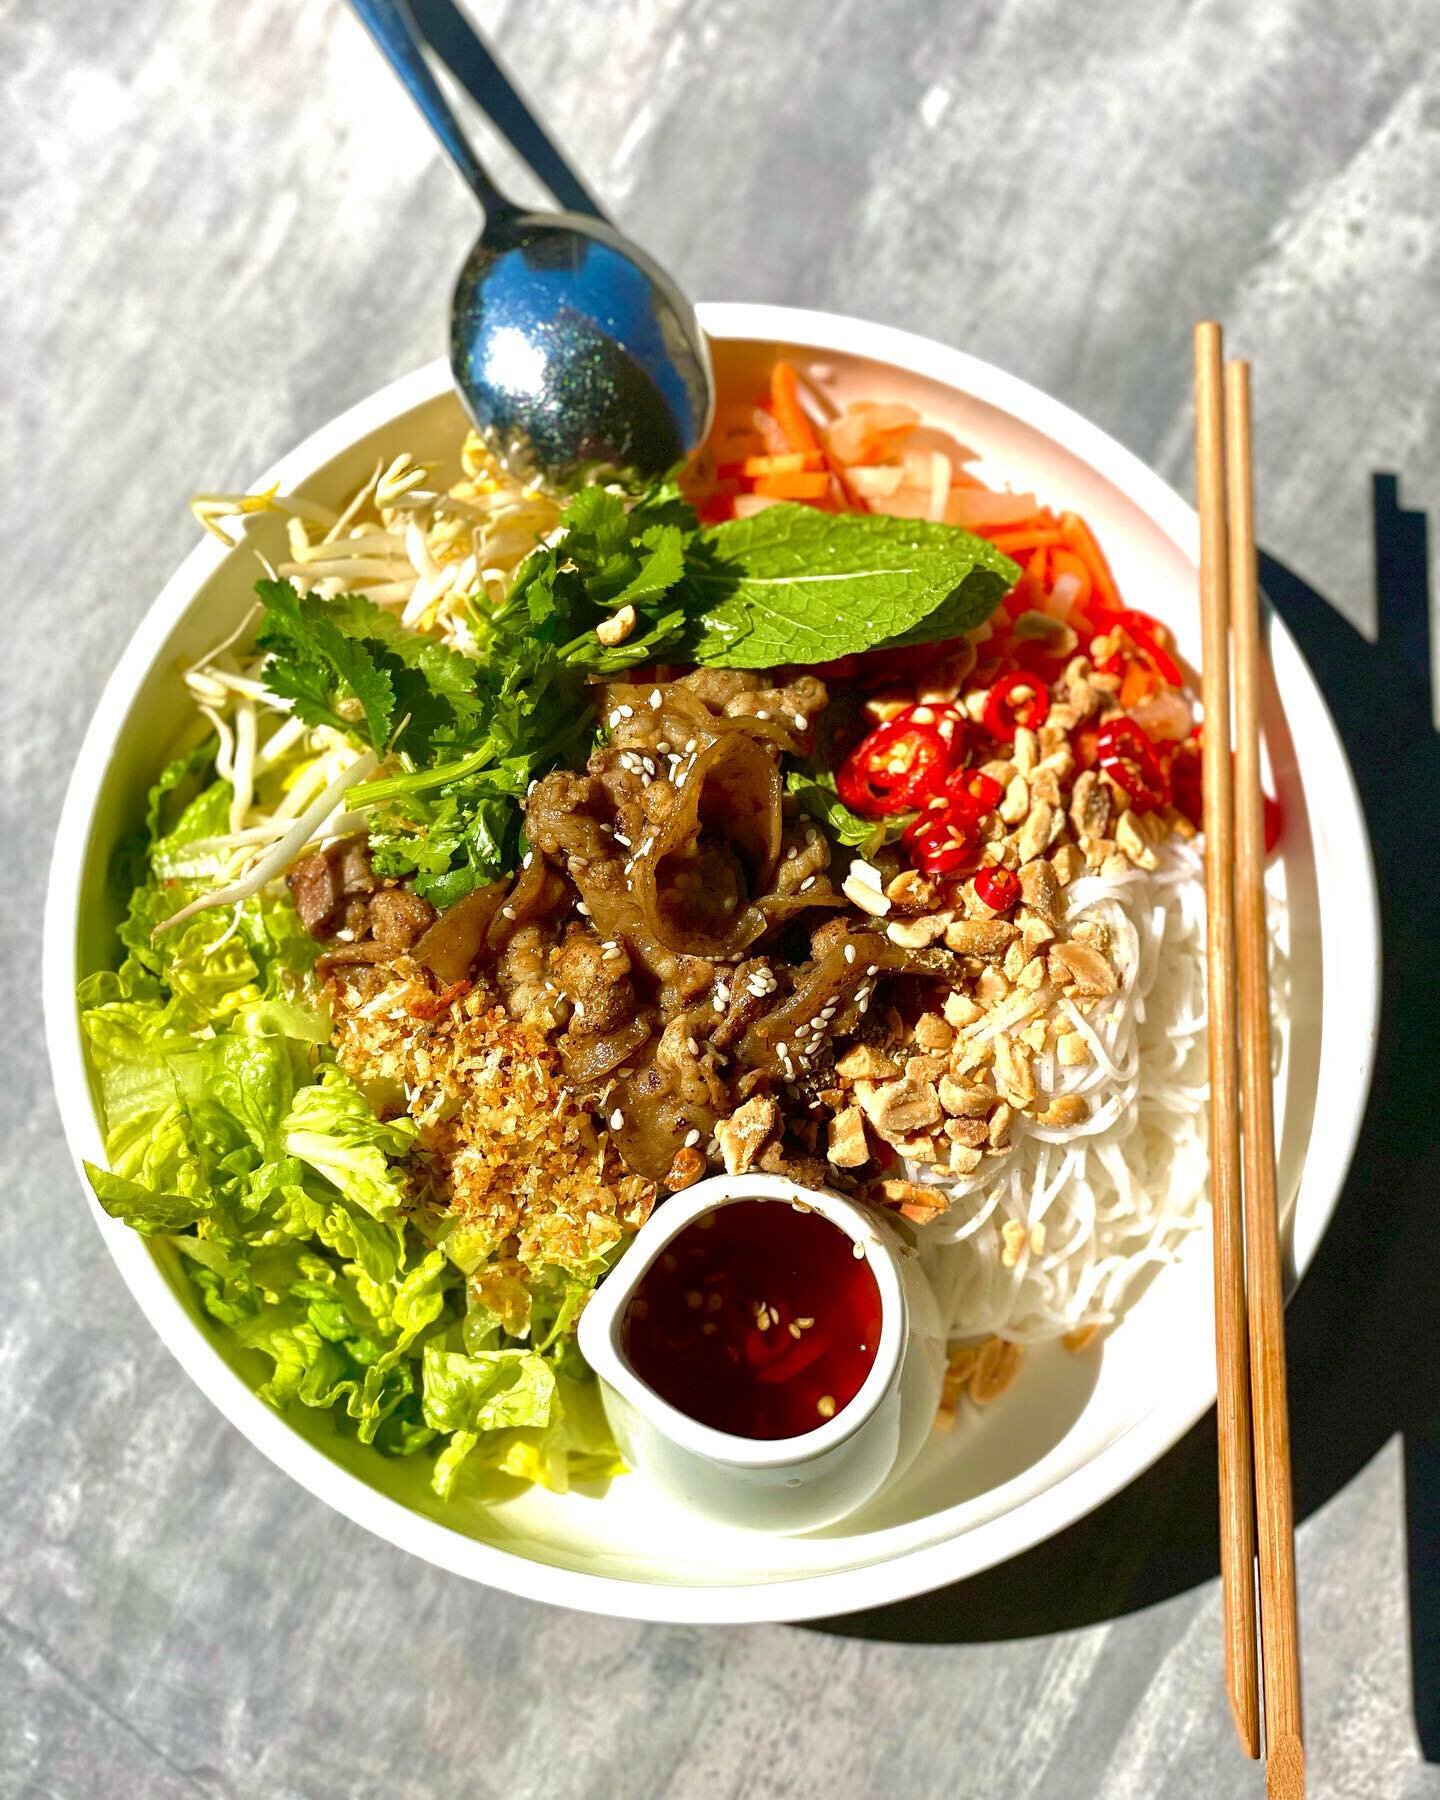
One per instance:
[(1144, 634), (974, 792), (1132, 762), (939, 841), (947, 718), (893, 768), (1004, 716), (1274, 821), (998, 887), (1185, 780)]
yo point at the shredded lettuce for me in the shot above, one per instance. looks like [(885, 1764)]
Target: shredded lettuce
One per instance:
[(304, 1218)]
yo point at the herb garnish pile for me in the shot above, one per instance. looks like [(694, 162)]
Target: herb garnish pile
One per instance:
[(789, 586)]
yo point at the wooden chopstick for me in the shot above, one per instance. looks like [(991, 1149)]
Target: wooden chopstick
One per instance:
[(1275, 1527), (1237, 1509)]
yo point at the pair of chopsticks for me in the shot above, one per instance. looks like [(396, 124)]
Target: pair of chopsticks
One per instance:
[(1256, 1512)]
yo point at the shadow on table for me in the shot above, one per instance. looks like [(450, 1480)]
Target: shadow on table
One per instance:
[(1362, 1329)]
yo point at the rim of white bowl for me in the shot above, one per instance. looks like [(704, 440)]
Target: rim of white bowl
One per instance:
[(888, 1579)]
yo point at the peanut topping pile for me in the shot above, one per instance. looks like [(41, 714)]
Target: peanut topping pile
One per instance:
[(950, 1087)]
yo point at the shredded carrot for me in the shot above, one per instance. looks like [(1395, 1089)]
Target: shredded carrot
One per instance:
[(793, 462), (794, 487), (789, 414), (1079, 539), (1066, 562), (1140, 681), (1013, 542)]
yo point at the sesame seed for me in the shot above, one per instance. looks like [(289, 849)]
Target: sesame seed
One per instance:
[(800, 722), (617, 1119), (825, 1406), (507, 912), (795, 1331), (692, 1046), (613, 720), (808, 882), (527, 859), (655, 699), (582, 909), (858, 1252), (850, 953), (692, 1138), (762, 714), (626, 712), (805, 1324), (689, 745)]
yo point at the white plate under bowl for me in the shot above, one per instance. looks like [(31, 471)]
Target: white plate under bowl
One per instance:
[(1074, 1430)]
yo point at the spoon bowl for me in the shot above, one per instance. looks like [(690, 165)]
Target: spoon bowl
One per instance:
[(572, 350)]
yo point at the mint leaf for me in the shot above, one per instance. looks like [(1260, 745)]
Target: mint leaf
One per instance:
[(794, 585)]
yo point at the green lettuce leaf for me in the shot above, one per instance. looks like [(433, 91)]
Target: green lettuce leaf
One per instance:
[(332, 1127), (146, 1209)]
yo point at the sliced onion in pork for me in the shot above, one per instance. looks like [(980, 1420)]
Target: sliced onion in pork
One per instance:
[(695, 875), (449, 947), (826, 990), (589, 1057)]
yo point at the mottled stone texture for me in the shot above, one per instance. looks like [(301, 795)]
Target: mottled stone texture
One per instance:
[(221, 225)]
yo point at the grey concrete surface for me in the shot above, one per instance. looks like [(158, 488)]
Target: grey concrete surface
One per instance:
[(221, 224)]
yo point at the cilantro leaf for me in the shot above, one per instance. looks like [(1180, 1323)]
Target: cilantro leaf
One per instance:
[(313, 662)]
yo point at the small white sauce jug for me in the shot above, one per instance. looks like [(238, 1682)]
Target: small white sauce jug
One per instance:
[(779, 1484)]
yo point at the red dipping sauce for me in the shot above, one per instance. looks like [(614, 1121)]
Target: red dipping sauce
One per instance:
[(758, 1319)]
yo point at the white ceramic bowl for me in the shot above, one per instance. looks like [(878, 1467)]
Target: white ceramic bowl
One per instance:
[(1073, 1430)]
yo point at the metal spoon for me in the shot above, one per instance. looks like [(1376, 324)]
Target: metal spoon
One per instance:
[(570, 347)]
